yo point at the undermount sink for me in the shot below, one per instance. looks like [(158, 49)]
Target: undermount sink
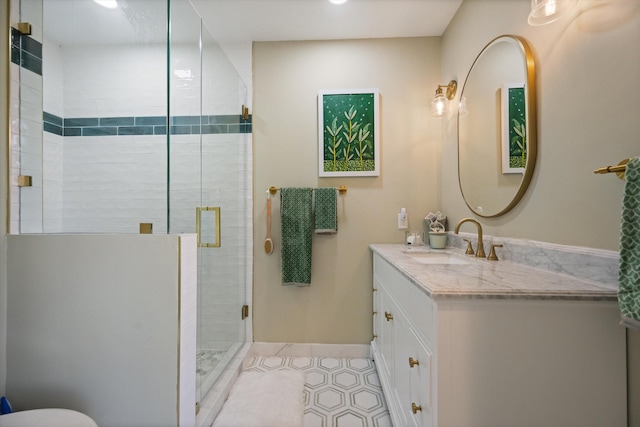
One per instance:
[(436, 257)]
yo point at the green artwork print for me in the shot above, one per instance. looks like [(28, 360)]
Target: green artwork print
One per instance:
[(514, 132), (348, 133), (517, 131)]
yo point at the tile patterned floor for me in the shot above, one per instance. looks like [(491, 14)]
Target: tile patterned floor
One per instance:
[(338, 392)]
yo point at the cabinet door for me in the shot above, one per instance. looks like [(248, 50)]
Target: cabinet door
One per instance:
[(386, 338), (401, 368), (420, 381)]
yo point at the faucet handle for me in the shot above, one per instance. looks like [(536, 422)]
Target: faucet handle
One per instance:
[(469, 250), (492, 253)]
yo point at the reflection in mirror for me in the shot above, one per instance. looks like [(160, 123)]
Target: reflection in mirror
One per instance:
[(497, 133)]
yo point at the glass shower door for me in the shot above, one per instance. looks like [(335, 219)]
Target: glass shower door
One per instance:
[(209, 184)]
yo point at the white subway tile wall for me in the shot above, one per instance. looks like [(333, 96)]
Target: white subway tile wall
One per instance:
[(114, 81)]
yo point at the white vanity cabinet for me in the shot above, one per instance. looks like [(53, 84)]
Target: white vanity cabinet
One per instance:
[(402, 348), (495, 361)]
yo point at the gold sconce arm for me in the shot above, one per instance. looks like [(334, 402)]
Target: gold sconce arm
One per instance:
[(452, 88)]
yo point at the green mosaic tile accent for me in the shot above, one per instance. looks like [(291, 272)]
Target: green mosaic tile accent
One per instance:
[(152, 125)]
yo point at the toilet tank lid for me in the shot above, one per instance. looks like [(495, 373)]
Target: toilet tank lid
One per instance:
[(51, 417)]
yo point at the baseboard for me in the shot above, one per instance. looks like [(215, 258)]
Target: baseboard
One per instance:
[(348, 351)]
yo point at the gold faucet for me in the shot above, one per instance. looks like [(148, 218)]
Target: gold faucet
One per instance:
[(480, 252)]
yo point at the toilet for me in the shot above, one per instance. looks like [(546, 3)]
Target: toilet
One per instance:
[(46, 418)]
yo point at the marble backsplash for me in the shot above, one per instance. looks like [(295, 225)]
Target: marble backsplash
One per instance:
[(597, 265)]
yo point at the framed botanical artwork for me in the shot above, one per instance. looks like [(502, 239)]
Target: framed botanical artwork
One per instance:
[(348, 133), (514, 128)]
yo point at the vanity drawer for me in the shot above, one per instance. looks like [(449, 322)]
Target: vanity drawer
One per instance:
[(412, 300)]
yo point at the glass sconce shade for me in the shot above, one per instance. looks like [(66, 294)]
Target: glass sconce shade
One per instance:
[(462, 107), (546, 11), (439, 105)]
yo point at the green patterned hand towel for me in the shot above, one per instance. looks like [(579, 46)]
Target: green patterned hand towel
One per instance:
[(629, 271), (297, 228), (326, 209)]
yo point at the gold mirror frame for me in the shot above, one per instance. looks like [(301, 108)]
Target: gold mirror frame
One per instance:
[(531, 128)]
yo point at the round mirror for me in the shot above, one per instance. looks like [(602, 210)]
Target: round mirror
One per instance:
[(497, 132)]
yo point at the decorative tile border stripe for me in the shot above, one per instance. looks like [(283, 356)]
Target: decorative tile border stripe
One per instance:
[(149, 125), (26, 52)]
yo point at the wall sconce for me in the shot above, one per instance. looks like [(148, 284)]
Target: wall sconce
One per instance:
[(440, 103), (546, 11)]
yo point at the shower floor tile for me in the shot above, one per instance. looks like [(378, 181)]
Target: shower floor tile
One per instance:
[(337, 393), (207, 360)]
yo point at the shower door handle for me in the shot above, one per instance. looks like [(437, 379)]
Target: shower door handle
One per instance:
[(208, 226)]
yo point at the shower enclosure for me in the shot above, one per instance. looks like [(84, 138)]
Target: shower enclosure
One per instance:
[(130, 118)]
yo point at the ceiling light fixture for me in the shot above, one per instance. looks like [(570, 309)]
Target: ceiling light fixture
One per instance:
[(440, 103), (109, 4), (338, 1), (546, 11)]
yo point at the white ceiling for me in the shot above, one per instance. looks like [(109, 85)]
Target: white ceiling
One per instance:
[(237, 21), (279, 20)]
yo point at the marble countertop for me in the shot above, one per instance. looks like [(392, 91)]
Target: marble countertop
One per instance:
[(481, 278)]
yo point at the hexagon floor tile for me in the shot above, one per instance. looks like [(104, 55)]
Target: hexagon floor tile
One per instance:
[(338, 392)]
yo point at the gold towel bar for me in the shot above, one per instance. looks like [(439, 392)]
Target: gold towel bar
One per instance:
[(619, 169), (342, 189)]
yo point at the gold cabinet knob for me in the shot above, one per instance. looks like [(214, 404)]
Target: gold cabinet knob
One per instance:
[(413, 362), (388, 316), (415, 408)]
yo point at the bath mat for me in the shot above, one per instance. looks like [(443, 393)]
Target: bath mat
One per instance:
[(265, 399)]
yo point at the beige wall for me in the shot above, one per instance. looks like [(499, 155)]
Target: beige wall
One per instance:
[(588, 95), (588, 70), (4, 135), (337, 307)]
